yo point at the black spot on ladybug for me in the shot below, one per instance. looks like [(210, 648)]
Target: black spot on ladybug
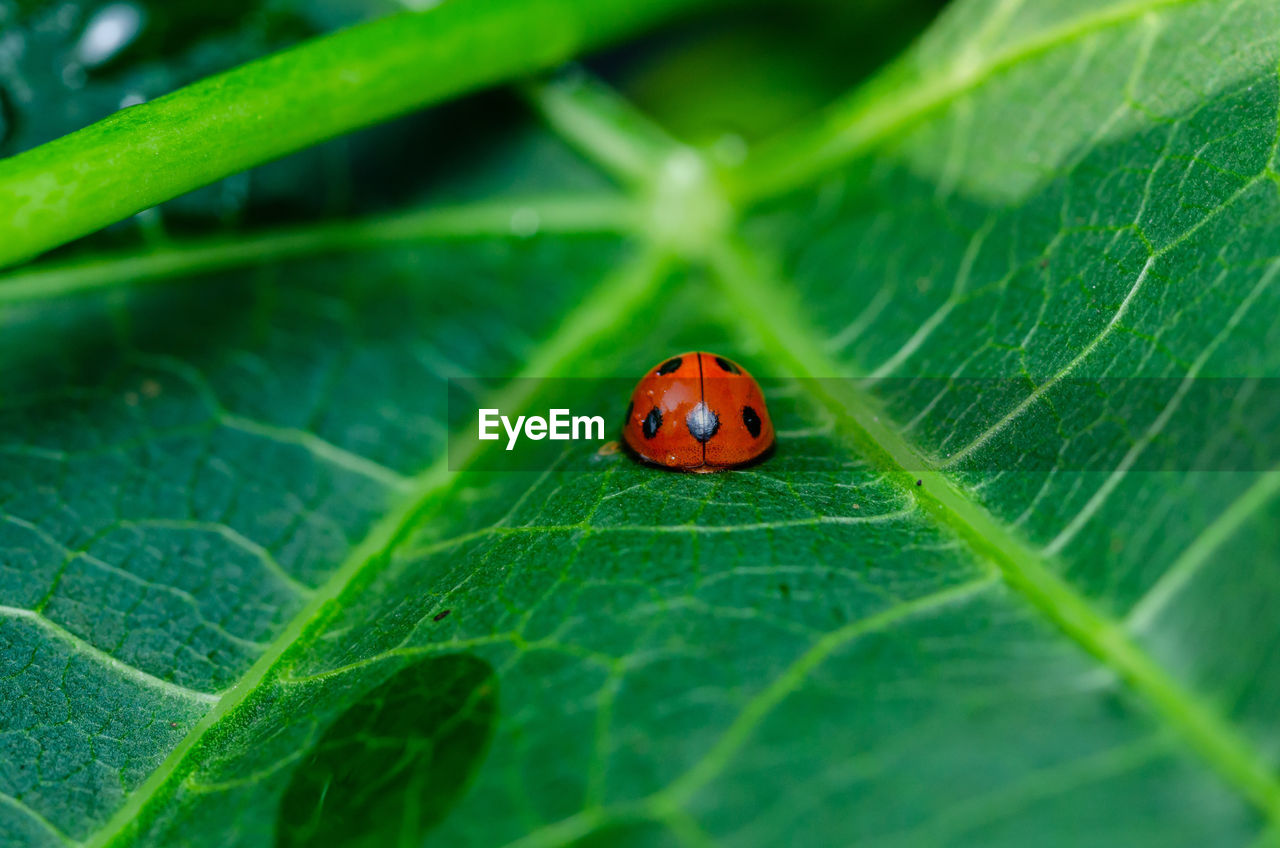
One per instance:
[(702, 422), (441, 615), (727, 366), (752, 421), (669, 366), (652, 422)]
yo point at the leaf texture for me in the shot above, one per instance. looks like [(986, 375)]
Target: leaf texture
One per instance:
[(235, 557)]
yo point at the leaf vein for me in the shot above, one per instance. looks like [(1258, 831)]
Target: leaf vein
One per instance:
[(1024, 569), (612, 300), (88, 649), (857, 123), (17, 804)]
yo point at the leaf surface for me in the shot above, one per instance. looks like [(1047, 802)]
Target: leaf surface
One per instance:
[(236, 558)]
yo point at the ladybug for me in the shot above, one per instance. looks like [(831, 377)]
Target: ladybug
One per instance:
[(698, 412)]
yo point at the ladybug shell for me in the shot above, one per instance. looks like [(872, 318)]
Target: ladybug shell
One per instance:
[(698, 412)]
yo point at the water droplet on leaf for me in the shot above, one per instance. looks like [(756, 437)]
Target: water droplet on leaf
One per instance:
[(525, 222), (111, 29)]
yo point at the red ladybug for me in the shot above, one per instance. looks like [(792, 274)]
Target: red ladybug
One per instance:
[(698, 412)]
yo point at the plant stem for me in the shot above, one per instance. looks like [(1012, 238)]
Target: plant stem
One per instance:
[(146, 154)]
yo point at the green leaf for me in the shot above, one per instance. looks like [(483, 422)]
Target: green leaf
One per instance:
[(247, 601)]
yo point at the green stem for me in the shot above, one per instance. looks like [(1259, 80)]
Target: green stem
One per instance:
[(603, 126), (146, 154)]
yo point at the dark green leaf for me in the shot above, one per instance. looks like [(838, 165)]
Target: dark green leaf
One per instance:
[(237, 555)]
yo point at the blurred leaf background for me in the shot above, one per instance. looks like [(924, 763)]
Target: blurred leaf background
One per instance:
[(706, 77)]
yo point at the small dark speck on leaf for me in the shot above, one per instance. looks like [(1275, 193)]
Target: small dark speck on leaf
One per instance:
[(784, 589), (919, 482), (441, 615)]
